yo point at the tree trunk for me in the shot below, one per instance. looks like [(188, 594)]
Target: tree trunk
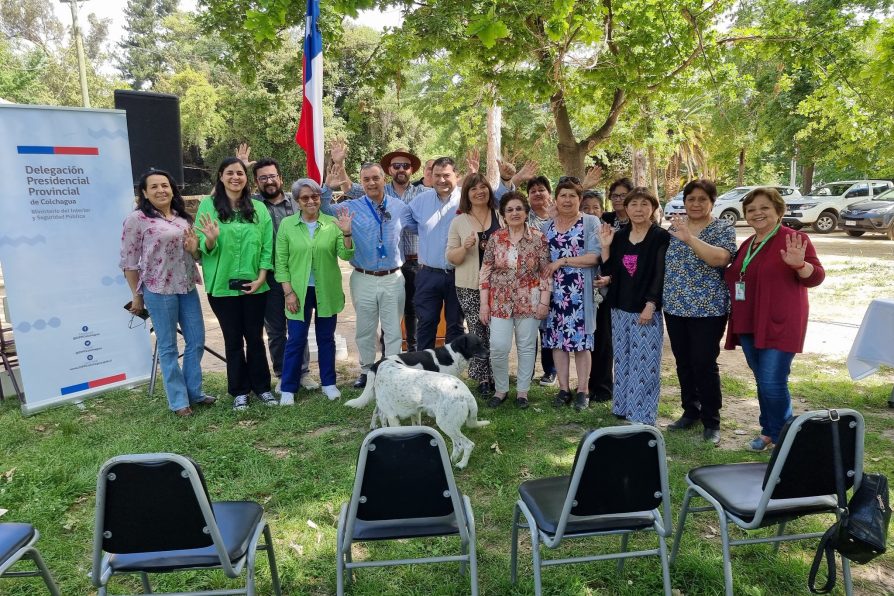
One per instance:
[(653, 172), (573, 153), (494, 124), (807, 177), (638, 166), (740, 180), (672, 177)]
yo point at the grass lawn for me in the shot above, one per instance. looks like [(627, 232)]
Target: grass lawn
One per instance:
[(299, 463)]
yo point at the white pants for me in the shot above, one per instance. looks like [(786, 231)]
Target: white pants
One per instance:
[(377, 299), (526, 331)]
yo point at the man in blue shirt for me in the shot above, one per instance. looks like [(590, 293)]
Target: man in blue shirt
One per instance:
[(377, 285)]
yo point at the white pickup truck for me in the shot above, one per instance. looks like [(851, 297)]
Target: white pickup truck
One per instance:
[(821, 208)]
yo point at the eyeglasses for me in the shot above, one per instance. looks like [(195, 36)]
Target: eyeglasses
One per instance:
[(385, 215), (310, 198), (513, 209), (573, 179), (268, 178), (401, 166), (617, 196), (136, 322)]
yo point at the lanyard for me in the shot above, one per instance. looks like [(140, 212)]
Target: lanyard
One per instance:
[(376, 215), (749, 255)]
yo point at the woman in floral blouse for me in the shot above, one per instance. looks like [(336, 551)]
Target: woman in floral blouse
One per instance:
[(159, 250), (696, 302), (515, 287)]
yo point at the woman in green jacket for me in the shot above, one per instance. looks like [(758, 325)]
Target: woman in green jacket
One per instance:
[(308, 246), (236, 241)]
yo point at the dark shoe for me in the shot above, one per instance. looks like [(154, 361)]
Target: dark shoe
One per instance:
[(563, 398), (682, 423), (522, 403), (360, 383), (485, 389), (207, 400), (548, 379), (495, 402), (600, 397), (581, 402), (712, 435), (184, 412)]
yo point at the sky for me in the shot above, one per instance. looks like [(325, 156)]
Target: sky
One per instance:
[(114, 9)]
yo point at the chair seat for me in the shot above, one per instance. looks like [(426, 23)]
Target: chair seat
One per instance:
[(237, 521), (13, 537), (419, 527), (738, 489), (546, 496)]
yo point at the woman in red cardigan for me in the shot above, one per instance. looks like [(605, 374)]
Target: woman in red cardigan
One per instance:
[(768, 283)]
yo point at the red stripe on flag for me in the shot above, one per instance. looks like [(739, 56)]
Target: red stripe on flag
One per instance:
[(76, 150), (107, 380)]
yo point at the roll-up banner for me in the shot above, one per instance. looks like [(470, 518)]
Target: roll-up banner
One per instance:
[(68, 188)]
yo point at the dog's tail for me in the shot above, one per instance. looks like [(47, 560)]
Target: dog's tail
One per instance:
[(369, 392), (472, 420)]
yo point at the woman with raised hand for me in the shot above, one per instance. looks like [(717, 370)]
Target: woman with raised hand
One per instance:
[(466, 242), (696, 303), (573, 239), (515, 286), (308, 247), (236, 241), (159, 250), (634, 272), (617, 192), (768, 283)]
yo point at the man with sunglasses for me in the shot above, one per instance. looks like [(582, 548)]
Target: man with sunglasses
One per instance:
[(280, 204)]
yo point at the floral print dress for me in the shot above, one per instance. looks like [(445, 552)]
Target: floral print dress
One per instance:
[(565, 324)]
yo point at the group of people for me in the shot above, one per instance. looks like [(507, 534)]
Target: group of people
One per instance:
[(544, 267)]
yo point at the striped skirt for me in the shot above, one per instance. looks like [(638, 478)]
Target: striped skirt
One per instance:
[(637, 366)]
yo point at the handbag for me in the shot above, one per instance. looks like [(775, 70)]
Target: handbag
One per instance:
[(861, 532)]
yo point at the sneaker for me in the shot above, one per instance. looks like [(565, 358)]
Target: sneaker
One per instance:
[(287, 398), (240, 403), (308, 383), (268, 399), (548, 379), (331, 391), (563, 398), (522, 402), (581, 402), (760, 443), (485, 389), (682, 423)]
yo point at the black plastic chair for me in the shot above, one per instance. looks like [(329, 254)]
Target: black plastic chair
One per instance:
[(799, 480), (404, 488), (16, 544), (618, 485), (153, 515)]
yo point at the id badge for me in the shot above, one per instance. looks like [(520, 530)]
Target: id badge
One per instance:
[(740, 290), (381, 250)]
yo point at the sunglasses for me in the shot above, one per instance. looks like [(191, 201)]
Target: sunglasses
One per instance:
[(513, 209), (401, 166), (385, 215)]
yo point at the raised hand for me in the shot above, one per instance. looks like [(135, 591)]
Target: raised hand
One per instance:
[(507, 168), (209, 228), (473, 157), (795, 249), (593, 178), (344, 218), (680, 229), (527, 171), (338, 151), (242, 152), (190, 241)]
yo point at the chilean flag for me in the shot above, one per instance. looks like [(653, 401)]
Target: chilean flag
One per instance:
[(310, 127)]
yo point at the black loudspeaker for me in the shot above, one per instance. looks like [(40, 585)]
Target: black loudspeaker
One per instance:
[(153, 130)]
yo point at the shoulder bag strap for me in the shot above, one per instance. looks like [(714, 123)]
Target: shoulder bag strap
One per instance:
[(826, 548)]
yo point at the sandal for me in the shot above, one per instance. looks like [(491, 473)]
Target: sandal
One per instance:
[(522, 402), (496, 401)]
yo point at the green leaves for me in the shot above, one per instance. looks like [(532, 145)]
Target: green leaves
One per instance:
[(488, 28)]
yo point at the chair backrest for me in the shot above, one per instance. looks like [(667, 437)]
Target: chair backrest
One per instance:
[(617, 470), (404, 473), (802, 464), (152, 502)]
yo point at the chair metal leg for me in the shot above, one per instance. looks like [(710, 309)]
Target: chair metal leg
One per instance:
[(846, 573), (727, 561), (680, 524), (625, 538), (153, 376), (250, 579), (144, 579), (463, 550), (271, 560), (535, 551), (339, 556), (665, 567), (44, 572), (513, 550), (473, 541), (780, 530)]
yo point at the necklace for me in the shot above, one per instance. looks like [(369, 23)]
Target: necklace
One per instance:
[(480, 222)]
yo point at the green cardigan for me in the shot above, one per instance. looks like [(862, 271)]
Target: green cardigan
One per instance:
[(241, 251), (297, 253)]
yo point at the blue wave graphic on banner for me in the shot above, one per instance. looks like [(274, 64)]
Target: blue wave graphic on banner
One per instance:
[(17, 240), (38, 325)]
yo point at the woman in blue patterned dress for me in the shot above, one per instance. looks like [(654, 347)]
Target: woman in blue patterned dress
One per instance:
[(696, 303), (573, 239), (634, 273)]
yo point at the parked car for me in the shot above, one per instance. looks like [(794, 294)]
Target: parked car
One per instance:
[(728, 206), (674, 206), (874, 216), (823, 206)]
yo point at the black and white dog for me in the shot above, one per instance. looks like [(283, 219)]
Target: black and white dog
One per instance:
[(451, 359)]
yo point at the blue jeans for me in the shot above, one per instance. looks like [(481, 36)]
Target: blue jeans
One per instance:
[(183, 386), (297, 343), (771, 369)]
